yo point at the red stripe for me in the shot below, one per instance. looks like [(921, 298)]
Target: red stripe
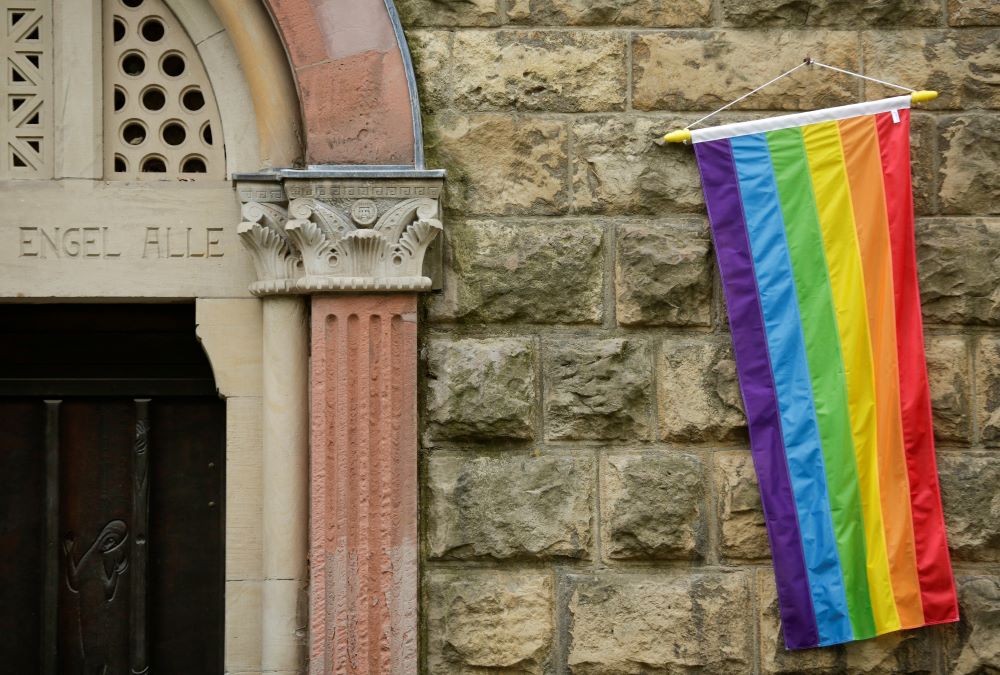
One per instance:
[(937, 583)]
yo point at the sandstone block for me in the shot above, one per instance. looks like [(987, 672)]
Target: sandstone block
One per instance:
[(448, 13), (540, 70), (702, 70), (652, 507), (970, 491), (742, 530), (988, 390), (892, 653), (784, 14), (699, 397), (501, 165), (973, 13), (956, 63), (624, 624), (618, 169), (774, 658), (973, 646), (597, 389), (948, 371), (432, 63), (652, 13), (663, 275), (544, 273), (509, 507), (959, 268), (481, 389), (923, 154), (488, 621), (969, 157)]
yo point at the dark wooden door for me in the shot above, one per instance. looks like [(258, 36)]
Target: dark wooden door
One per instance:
[(111, 539)]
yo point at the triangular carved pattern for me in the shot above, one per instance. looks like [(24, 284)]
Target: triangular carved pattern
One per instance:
[(27, 89)]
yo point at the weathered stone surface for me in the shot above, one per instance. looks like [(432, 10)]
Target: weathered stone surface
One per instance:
[(948, 371), (973, 13), (540, 70), (774, 657), (923, 155), (988, 390), (432, 63), (449, 13), (836, 13), (892, 653), (597, 389), (488, 621), (544, 273), (652, 507), (501, 165), (663, 275), (625, 624), (959, 268), (651, 13), (973, 647), (970, 155), (959, 64), (509, 507), (702, 70), (742, 531), (481, 389), (698, 392), (970, 491), (618, 169)]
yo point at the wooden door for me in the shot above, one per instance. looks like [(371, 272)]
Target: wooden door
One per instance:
[(111, 539)]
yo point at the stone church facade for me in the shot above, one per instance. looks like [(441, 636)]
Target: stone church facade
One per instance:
[(478, 404)]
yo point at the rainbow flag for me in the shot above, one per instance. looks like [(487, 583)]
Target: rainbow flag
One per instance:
[(812, 217)]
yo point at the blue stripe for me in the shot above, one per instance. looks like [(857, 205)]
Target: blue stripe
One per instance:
[(786, 343)]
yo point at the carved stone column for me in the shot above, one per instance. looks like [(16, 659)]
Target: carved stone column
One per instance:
[(357, 244)]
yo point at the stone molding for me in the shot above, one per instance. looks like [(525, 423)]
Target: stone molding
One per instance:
[(316, 231)]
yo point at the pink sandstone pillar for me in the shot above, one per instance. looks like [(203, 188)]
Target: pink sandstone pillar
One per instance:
[(363, 528)]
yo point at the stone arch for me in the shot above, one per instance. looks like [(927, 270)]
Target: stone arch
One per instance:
[(355, 81)]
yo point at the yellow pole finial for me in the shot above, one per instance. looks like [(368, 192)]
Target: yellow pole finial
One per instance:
[(678, 136), (923, 96)]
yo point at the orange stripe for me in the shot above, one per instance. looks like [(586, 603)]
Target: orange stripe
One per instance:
[(864, 173)]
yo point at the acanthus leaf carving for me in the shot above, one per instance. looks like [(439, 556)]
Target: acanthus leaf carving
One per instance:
[(331, 251)]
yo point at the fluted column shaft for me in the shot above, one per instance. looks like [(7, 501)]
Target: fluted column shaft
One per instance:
[(363, 478)]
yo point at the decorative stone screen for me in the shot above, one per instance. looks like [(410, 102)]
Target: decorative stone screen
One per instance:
[(26, 124), (161, 121)]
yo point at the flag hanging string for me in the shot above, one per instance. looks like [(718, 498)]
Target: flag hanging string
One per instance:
[(683, 135)]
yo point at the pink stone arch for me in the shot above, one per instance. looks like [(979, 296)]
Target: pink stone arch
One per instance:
[(355, 81)]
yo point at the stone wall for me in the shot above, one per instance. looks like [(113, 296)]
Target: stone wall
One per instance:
[(589, 504)]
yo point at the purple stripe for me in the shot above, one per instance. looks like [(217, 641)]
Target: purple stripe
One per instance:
[(732, 248)]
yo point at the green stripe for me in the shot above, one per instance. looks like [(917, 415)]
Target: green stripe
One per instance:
[(826, 367)]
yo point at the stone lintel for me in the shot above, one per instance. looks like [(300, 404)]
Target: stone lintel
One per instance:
[(330, 229)]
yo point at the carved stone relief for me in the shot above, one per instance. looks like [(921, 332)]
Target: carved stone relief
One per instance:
[(350, 234)]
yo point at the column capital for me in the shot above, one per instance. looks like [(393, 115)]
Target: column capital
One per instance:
[(330, 229)]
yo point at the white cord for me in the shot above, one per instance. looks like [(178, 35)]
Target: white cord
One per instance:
[(807, 62)]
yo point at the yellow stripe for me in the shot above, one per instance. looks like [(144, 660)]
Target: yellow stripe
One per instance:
[(836, 217)]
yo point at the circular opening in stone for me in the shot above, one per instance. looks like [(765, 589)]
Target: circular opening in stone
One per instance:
[(174, 133), (154, 98), (192, 99), (119, 98), (173, 65), (119, 29), (121, 166), (152, 30), (132, 3), (133, 133), (194, 165), (154, 164), (133, 64), (206, 133)]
